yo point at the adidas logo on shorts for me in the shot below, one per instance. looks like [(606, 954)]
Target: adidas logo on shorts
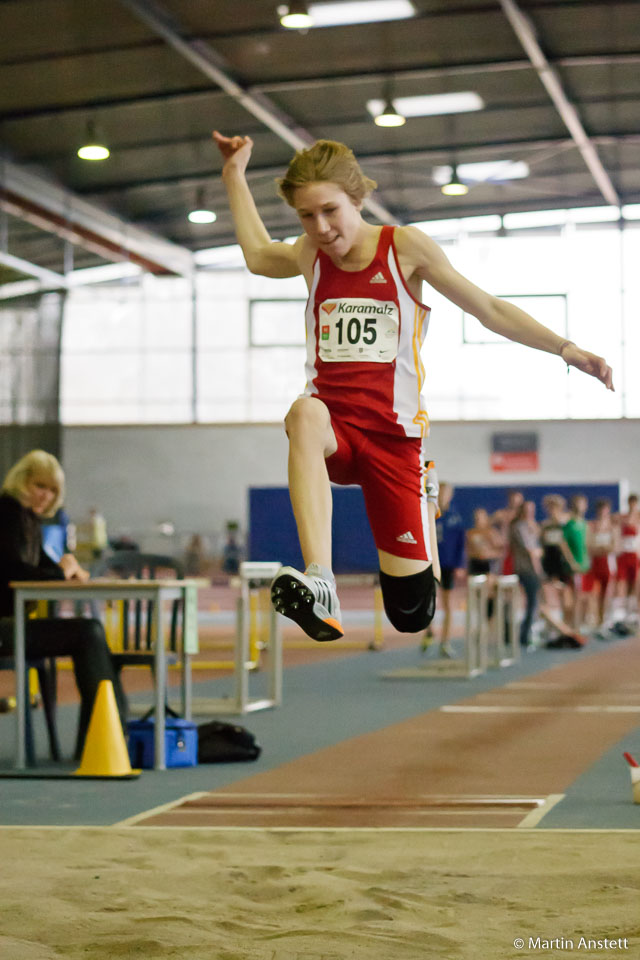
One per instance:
[(407, 537), (379, 277)]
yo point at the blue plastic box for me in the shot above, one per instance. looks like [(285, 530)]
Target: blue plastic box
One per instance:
[(180, 743)]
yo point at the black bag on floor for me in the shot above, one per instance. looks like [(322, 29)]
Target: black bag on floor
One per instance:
[(225, 743)]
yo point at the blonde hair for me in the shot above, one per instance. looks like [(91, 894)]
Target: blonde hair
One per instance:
[(38, 464), (553, 500), (326, 161)]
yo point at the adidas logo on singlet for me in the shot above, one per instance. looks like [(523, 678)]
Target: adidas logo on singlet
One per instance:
[(379, 277), (407, 537)]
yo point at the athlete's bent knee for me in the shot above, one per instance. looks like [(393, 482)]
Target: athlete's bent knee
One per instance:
[(306, 413), (409, 602)]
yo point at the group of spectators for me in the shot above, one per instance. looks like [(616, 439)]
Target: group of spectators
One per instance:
[(577, 565)]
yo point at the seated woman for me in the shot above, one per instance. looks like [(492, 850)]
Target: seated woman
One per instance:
[(34, 489)]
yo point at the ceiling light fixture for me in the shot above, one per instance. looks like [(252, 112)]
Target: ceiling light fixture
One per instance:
[(201, 212), (295, 16), (93, 148), (202, 215), (489, 171), (431, 106), (455, 187), (389, 116), (360, 11)]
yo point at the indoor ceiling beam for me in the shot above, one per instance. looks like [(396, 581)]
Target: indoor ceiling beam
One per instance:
[(314, 83), (437, 153), (48, 279), (208, 61), (525, 33), (438, 73), (55, 210)]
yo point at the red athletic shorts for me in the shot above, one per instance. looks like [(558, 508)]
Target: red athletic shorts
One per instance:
[(390, 471), (628, 564), (599, 573)]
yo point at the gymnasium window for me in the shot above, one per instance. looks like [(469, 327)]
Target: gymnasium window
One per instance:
[(230, 348)]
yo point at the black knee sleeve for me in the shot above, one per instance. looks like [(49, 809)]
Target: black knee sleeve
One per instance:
[(409, 602)]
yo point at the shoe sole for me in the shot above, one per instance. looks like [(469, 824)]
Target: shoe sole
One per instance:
[(295, 600)]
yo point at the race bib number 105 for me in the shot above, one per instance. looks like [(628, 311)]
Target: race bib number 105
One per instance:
[(358, 329)]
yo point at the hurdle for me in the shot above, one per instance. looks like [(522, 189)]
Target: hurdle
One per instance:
[(475, 658), (476, 630), (495, 642), (252, 576), (487, 642), (505, 645)]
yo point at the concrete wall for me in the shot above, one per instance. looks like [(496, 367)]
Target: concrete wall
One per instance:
[(198, 476)]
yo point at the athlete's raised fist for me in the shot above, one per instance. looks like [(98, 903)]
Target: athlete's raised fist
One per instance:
[(235, 150)]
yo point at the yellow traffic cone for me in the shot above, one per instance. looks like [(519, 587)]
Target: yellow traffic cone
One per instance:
[(105, 751)]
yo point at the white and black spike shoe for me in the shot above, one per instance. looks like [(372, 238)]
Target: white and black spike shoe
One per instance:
[(310, 600)]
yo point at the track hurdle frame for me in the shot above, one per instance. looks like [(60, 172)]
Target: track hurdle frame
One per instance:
[(487, 643), (252, 575), (505, 646), (476, 629)]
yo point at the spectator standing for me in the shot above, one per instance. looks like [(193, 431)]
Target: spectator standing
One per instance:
[(483, 544), (575, 533), (450, 538), (601, 543), (501, 521), (628, 560), (524, 548)]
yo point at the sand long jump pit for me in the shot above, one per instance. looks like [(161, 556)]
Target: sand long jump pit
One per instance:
[(370, 894)]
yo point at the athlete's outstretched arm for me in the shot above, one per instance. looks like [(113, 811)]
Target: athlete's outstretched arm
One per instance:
[(261, 253), (431, 264)]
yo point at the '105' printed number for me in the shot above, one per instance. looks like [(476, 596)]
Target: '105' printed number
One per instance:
[(355, 331)]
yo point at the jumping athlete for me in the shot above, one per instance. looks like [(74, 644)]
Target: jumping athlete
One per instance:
[(361, 418)]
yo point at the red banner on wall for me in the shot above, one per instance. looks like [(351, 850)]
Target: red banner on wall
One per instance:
[(514, 452), (514, 461)]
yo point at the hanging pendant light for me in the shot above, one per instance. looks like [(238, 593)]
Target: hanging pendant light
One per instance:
[(93, 147), (389, 116), (201, 212), (455, 187), (295, 16)]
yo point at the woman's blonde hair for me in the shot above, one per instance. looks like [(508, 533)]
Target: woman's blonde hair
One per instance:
[(326, 161), (40, 465), (553, 500)]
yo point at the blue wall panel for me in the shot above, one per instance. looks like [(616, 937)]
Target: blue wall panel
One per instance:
[(467, 498), (272, 528), (273, 536)]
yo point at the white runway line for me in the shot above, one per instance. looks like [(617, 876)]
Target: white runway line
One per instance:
[(534, 817), (154, 811), (105, 828), (509, 708), (632, 831)]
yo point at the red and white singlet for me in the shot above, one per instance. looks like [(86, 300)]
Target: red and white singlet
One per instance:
[(630, 536), (364, 334), (628, 558)]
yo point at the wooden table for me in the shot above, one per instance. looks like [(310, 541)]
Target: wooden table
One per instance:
[(158, 591)]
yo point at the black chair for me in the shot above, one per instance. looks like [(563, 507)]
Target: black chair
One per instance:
[(143, 566), (46, 670)]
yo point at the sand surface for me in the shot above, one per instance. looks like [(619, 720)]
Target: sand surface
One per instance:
[(316, 895)]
